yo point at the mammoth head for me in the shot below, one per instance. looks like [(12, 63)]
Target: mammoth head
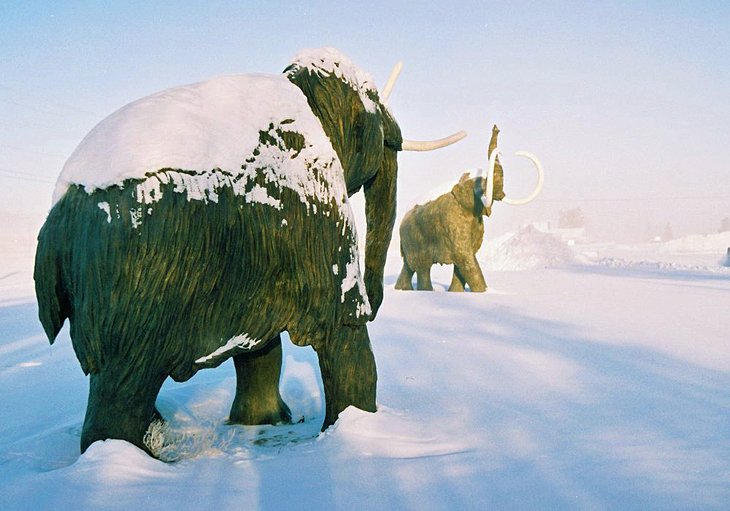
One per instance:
[(494, 178), (353, 113), (469, 192), (366, 137), (360, 128)]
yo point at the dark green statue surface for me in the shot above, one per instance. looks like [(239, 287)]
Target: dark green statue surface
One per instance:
[(197, 224)]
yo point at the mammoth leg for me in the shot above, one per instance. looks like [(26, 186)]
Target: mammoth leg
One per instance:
[(472, 273), (348, 373), (258, 400), (405, 279), (423, 279), (121, 404), (457, 281)]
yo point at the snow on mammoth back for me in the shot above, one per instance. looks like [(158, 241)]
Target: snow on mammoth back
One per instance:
[(206, 126)]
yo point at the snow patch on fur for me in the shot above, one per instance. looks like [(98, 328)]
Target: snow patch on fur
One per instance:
[(329, 61), (239, 341), (104, 206), (200, 132)]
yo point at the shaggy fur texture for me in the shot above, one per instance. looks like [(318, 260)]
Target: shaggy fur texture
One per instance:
[(367, 144), (179, 281), (449, 230), (164, 286)]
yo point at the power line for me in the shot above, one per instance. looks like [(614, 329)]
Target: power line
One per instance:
[(48, 103), (27, 177), (34, 151), (49, 110), (69, 119)]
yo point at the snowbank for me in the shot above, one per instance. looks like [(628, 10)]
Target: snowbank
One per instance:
[(534, 395), (527, 249), (214, 126), (717, 243), (531, 248), (693, 253)]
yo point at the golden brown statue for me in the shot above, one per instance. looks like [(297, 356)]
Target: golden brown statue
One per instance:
[(450, 229)]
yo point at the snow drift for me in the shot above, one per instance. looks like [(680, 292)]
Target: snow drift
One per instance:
[(534, 395)]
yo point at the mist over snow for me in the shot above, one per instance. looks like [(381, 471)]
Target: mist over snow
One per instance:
[(698, 243), (589, 376), (531, 248)]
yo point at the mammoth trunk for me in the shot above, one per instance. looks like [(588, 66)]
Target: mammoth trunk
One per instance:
[(366, 138), (348, 373), (380, 197)]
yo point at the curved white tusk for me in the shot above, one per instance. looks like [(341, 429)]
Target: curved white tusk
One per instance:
[(540, 180), (391, 82), (415, 145), (488, 197)]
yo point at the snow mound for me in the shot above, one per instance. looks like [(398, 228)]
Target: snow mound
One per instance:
[(204, 126), (117, 461), (389, 434), (528, 249), (716, 242), (693, 253)]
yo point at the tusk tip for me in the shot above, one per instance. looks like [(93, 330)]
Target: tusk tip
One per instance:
[(412, 145)]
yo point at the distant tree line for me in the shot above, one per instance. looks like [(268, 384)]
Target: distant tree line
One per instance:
[(571, 219), (725, 224)]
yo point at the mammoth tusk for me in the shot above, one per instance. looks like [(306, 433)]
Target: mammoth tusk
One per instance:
[(540, 180), (488, 197), (391, 82), (415, 145)]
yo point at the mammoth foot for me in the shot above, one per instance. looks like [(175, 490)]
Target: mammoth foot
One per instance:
[(404, 285), (459, 288), (423, 279), (468, 273), (254, 411), (405, 279), (132, 429), (258, 400), (122, 411)]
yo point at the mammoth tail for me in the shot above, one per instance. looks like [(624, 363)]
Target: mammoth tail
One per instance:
[(53, 303)]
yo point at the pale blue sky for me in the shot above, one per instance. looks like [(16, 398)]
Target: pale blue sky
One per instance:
[(626, 103)]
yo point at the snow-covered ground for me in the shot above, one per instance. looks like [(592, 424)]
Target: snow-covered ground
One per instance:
[(587, 377)]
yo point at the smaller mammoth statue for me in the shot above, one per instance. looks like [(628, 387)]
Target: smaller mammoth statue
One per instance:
[(450, 228)]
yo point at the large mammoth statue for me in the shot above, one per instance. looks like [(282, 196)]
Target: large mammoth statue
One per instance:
[(196, 224), (450, 228)]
